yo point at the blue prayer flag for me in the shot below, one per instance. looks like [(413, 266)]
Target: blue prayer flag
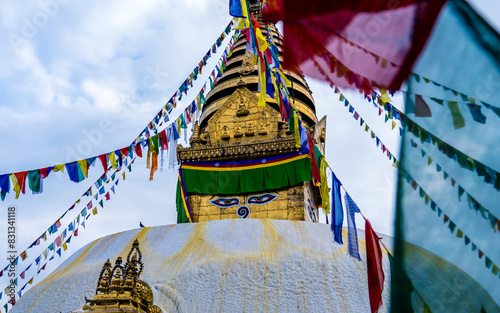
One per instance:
[(337, 213), (352, 234), (4, 183), (235, 8)]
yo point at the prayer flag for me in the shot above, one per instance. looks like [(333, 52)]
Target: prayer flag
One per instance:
[(374, 267), (462, 56), (328, 40), (35, 181), (352, 233), (235, 8), (337, 212), (4, 183)]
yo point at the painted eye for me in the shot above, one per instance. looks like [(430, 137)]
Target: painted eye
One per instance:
[(261, 199), (225, 202)]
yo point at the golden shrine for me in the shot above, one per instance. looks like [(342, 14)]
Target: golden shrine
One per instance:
[(232, 127), (119, 288)]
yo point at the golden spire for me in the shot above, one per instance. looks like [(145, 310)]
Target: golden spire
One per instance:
[(119, 288)]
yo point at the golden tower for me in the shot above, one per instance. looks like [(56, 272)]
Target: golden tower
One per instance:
[(233, 128)]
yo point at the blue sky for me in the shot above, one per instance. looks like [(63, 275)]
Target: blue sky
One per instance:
[(78, 79)]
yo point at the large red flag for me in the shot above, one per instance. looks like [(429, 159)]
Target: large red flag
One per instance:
[(374, 267), (354, 43)]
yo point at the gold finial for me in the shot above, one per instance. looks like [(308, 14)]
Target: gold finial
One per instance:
[(119, 286)]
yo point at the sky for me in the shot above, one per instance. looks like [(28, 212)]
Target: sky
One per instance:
[(78, 79)]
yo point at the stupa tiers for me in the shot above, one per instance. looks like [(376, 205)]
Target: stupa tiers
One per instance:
[(268, 177)]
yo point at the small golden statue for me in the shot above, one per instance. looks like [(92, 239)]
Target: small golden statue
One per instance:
[(225, 133), (242, 108)]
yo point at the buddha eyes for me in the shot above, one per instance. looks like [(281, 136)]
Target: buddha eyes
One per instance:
[(261, 199), (225, 202), (229, 202)]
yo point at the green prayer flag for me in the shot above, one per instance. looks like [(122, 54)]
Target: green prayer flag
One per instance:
[(458, 119), (35, 181), (183, 122)]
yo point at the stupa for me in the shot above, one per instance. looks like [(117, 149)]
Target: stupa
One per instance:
[(234, 131)]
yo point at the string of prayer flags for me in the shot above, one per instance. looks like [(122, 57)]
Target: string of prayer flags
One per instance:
[(473, 104), (57, 224), (58, 245), (473, 203), (78, 170), (451, 225), (490, 175), (367, 129)]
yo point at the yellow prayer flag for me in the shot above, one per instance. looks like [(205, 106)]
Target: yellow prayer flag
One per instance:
[(239, 23), (261, 40), (385, 96), (198, 102), (112, 159), (84, 167), (15, 182), (262, 97), (283, 76), (30, 281), (148, 160), (59, 167), (393, 124), (65, 246), (325, 191), (296, 129), (94, 211), (123, 174)]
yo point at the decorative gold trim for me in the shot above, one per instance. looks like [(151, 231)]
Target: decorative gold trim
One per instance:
[(262, 148)]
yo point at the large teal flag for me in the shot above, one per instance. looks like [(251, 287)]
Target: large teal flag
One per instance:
[(447, 215)]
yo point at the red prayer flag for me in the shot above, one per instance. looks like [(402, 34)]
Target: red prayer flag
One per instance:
[(124, 151), (164, 141), (138, 150), (44, 172), (357, 43), (107, 196), (43, 267), (314, 165), (22, 274), (374, 267), (421, 107), (21, 179), (104, 162)]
